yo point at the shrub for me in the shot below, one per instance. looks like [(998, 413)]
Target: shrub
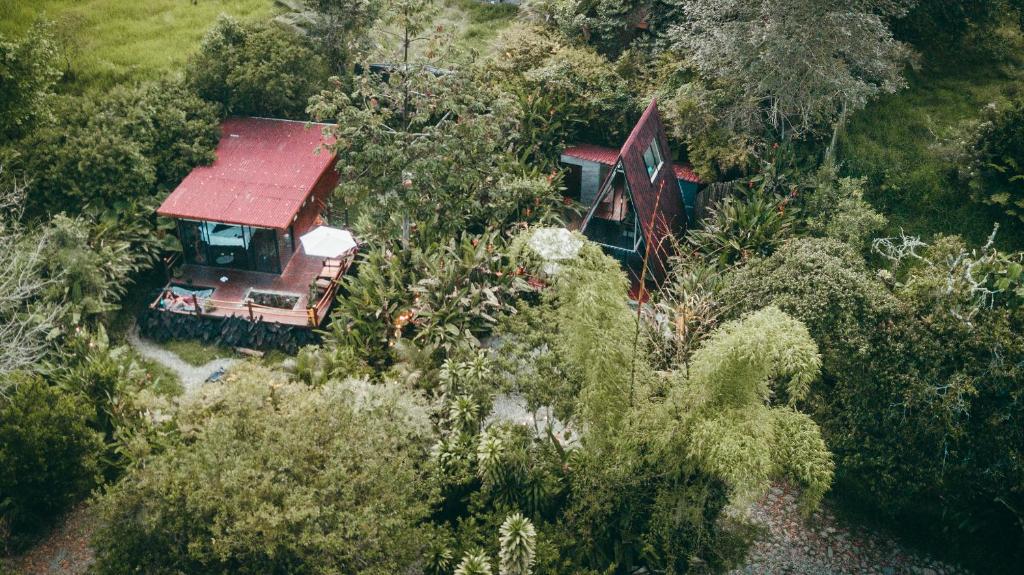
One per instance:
[(439, 296), (272, 476), (48, 454), (996, 169), (255, 70), (741, 228), (914, 389), (835, 208), (566, 94), (111, 149), (28, 72)]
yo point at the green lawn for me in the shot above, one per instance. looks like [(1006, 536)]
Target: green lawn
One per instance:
[(906, 145), (197, 353), (165, 381), (119, 40)]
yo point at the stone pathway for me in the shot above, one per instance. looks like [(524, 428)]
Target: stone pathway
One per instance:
[(65, 551), (822, 545), (191, 377)]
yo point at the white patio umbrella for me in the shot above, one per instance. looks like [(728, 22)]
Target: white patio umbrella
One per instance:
[(328, 242)]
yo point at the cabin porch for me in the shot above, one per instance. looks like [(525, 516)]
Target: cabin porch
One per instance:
[(299, 296)]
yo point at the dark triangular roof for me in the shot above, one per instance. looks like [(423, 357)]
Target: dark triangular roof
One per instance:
[(658, 202)]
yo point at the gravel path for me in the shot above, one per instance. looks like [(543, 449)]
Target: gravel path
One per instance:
[(822, 545), (191, 377)]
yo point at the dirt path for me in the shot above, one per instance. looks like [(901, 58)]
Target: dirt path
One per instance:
[(65, 551), (191, 377), (824, 545)]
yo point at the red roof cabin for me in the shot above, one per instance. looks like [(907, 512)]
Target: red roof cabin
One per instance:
[(635, 196), (239, 221)]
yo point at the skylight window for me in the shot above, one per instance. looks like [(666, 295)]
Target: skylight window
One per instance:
[(652, 159)]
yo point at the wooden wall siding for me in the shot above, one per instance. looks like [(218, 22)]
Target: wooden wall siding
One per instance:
[(316, 204), (709, 197)]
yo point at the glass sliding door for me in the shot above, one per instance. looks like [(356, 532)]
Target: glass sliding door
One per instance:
[(230, 246)]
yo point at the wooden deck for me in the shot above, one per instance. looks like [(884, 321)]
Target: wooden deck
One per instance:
[(231, 290)]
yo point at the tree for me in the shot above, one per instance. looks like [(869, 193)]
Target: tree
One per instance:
[(255, 70), (611, 26), (791, 68), (342, 29), (721, 413), (49, 456), (915, 372), (566, 94), (111, 149), (274, 476), (28, 72), (25, 324)]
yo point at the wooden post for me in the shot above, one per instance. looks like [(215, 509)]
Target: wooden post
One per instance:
[(311, 316), (248, 304), (195, 304)]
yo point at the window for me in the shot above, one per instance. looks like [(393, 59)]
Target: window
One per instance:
[(229, 245), (652, 159)]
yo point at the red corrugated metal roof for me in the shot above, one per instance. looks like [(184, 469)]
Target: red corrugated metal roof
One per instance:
[(685, 172), (590, 153), (607, 156), (265, 170)]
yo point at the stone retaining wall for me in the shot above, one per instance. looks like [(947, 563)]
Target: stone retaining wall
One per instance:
[(234, 331)]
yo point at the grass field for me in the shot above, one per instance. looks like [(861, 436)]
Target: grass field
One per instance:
[(906, 145), (196, 353), (118, 40)]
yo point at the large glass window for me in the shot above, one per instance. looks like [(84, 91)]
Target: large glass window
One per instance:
[(652, 159), (229, 245), (613, 222)]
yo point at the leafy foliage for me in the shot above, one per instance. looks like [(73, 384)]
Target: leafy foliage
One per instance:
[(790, 67), (517, 541), (110, 150), (49, 455), (255, 70), (275, 476), (438, 296), (728, 426), (28, 72), (565, 94), (740, 228), (835, 208), (341, 28), (996, 166), (914, 384)]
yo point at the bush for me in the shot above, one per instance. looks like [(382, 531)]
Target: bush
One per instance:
[(741, 228), (913, 401), (110, 149), (255, 70), (48, 454), (996, 169), (835, 208), (272, 476), (28, 72), (566, 94)]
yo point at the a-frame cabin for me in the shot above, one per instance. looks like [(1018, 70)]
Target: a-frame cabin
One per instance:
[(639, 207)]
